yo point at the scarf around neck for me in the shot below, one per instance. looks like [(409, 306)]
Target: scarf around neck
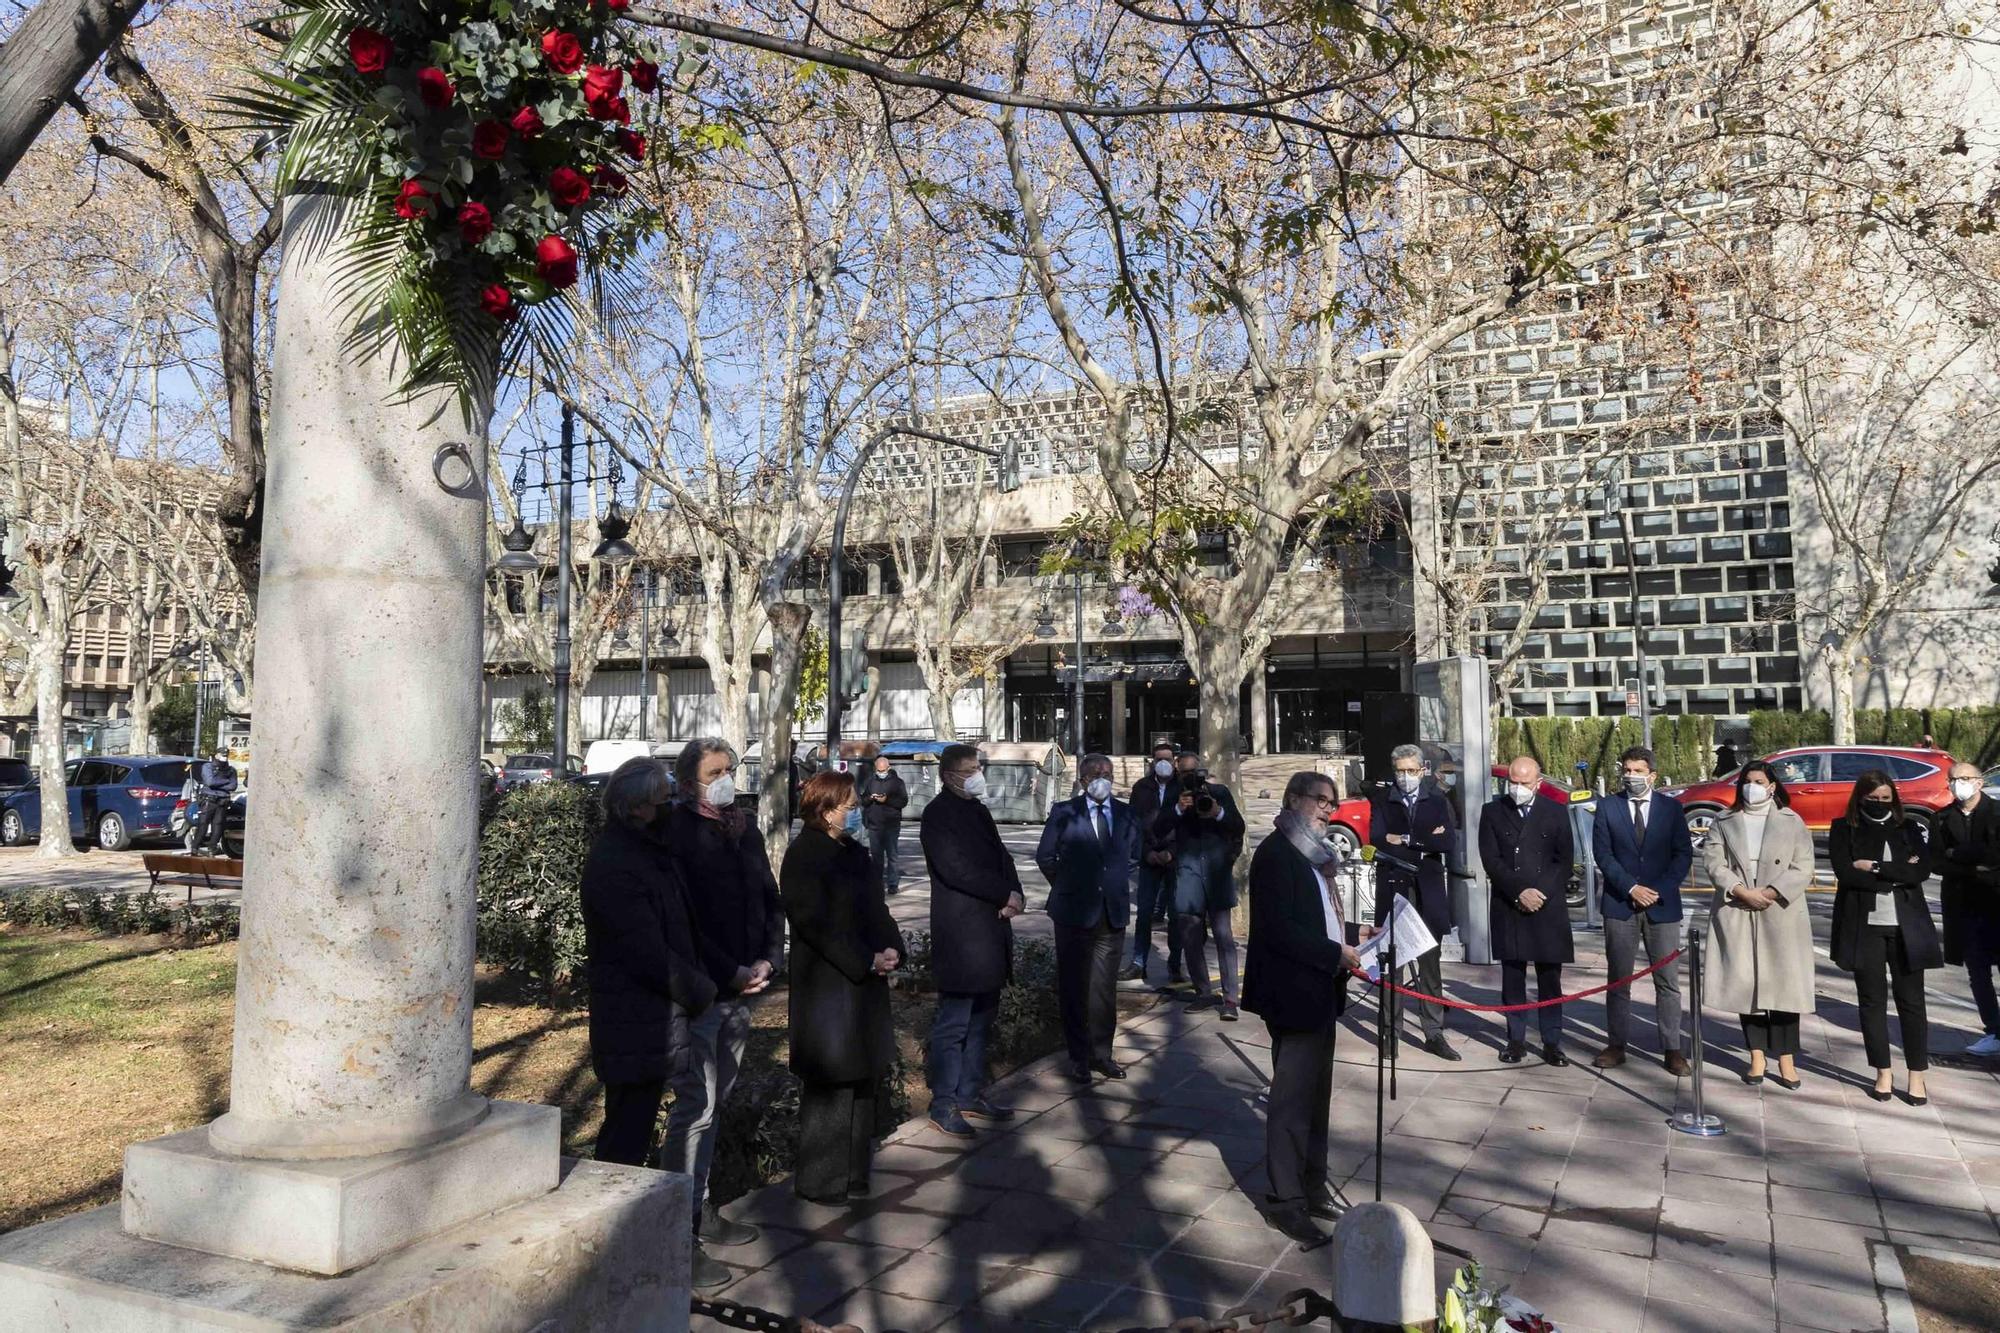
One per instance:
[(1318, 852)]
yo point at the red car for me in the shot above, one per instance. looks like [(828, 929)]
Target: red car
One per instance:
[(1350, 818), (1820, 779)]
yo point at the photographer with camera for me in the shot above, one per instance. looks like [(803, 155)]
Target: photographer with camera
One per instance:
[(1205, 832)]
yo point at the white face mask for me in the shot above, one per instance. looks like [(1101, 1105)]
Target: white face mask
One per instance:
[(1964, 789), (1163, 768), (974, 786), (1408, 781), (1756, 793), (1638, 784), (722, 791), (1521, 792), (1099, 789), (1447, 780)]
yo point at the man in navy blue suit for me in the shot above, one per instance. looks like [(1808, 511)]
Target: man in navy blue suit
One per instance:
[(1643, 849), (1089, 851)]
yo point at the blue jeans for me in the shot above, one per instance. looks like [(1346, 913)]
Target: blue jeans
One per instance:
[(958, 1048), (1156, 903)]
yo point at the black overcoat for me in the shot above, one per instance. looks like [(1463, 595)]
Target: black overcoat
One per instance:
[(840, 1023), (1426, 886), (731, 893), (1294, 976), (972, 876), (1521, 853), (641, 965), (1967, 858), (1903, 856), (886, 815)]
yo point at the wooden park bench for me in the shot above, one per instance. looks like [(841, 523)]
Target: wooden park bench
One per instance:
[(209, 872)]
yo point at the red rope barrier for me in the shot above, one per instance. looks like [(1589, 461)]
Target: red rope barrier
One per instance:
[(1519, 1008)]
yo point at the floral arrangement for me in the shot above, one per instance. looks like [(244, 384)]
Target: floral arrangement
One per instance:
[(491, 149), (1471, 1307)]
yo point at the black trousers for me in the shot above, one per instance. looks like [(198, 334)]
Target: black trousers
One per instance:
[(1430, 980), (1514, 990), (631, 1110), (1879, 952), (1774, 1032), (1979, 974), (1295, 1128), (1087, 961), (836, 1132), (887, 844)]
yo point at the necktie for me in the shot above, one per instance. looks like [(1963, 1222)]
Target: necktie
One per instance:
[(1639, 817), (1103, 819)]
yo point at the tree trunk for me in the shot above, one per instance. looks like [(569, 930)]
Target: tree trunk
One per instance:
[(939, 692), (789, 621), (43, 61), (1840, 692), (143, 689), (1216, 655), (47, 658), (732, 701)]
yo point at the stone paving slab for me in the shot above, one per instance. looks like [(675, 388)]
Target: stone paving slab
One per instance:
[(1133, 1203)]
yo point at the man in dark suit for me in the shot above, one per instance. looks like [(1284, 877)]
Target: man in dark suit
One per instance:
[(975, 896), (1643, 849), (1156, 869), (884, 796), (1526, 847), (1296, 980), (1089, 850), (1412, 829)]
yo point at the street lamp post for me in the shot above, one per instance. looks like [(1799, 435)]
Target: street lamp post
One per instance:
[(1615, 503), (563, 566), (836, 699), (1076, 691)]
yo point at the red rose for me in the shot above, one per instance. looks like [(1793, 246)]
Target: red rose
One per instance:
[(609, 182), (497, 301), (555, 261), (527, 123), (434, 85), (616, 6), (563, 52), (614, 110), (489, 140), (475, 222), (569, 187), (412, 201), (632, 144), (369, 50), (645, 76), (602, 81)]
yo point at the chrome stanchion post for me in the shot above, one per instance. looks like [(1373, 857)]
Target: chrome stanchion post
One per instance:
[(1697, 1121)]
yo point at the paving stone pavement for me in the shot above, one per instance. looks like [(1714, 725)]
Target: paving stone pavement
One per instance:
[(1135, 1202)]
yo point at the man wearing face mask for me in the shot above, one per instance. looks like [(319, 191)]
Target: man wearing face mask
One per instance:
[(739, 925), (1150, 795), (1411, 827), (883, 797), (975, 895), (1643, 848), (1206, 832), (1968, 858), (1525, 845), (1089, 851)]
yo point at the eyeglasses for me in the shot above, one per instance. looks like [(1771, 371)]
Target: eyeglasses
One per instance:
[(1323, 802)]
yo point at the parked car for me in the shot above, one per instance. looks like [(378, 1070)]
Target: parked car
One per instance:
[(606, 756), (521, 769), (14, 775), (113, 802), (1821, 778), (1991, 777), (232, 824)]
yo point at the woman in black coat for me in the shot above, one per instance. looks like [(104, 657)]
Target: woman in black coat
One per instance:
[(844, 945), (640, 960), (1882, 922)]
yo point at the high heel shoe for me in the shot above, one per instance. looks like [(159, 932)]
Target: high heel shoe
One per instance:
[(1916, 1099), (1879, 1095), (1752, 1079), (1788, 1084)]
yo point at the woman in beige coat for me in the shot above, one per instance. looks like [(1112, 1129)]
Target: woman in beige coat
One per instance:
[(1759, 857)]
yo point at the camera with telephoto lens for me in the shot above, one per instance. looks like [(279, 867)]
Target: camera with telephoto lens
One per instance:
[(1196, 781)]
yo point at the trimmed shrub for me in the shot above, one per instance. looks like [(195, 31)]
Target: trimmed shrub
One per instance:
[(530, 872), (1684, 744), (1772, 730)]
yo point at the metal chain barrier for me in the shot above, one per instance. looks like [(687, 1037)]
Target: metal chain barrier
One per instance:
[(1298, 1309)]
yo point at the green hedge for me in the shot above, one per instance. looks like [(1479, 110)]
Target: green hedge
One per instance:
[(142, 913), (1685, 745), (1971, 734), (531, 856)]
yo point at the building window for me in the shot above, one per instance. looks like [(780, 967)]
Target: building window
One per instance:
[(1679, 552), (1727, 610)]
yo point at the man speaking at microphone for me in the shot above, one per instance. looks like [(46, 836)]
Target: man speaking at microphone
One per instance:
[(1411, 827), (1295, 979)]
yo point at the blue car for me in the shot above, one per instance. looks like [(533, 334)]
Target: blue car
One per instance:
[(112, 801)]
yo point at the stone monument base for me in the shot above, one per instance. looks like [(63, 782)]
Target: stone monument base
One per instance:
[(332, 1216), (606, 1252)]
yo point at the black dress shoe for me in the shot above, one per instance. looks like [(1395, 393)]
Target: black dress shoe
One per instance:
[(706, 1274), (1442, 1049), (1321, 1204), (1078, 1073), (1513, 1053), (857, 1189), (1880, 1096), (1552, 1055), (1108, 1068), (1297, 1223)]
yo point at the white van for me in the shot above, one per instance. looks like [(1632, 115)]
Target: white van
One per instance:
[(605, 756)]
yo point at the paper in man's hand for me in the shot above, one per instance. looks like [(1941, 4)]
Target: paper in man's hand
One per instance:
[(1413, 938)]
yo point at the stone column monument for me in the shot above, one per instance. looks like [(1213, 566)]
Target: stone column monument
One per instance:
[(354, 1147)]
